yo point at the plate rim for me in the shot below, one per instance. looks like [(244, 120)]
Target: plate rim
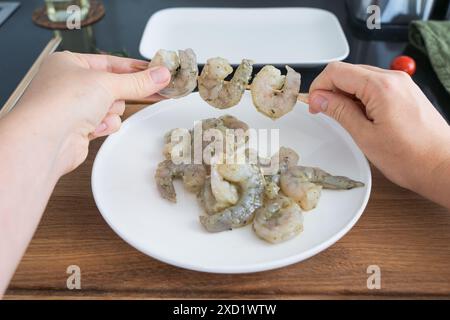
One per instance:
[(251, 268), (305, 63)]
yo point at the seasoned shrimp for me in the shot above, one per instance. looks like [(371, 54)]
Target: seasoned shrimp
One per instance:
[(219, 93), (304, 184), (285, 158), (251, 184), (208, 201), (278, 220), (306, 194), (169, 144), (271, 187), (183, 68), (275, 95), (224, 191), (193, 178), (233, 123)]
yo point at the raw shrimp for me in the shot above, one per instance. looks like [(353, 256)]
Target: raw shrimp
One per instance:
[(193, 178), (304, 184), (306, 194), (278, 220), (219, 93), (233, 123), (224, 191), (320, 177), (233, 135), (275, 95), (271, 187), (251, 184), (285, 158), (211, 123), (208, 201), (183, 68), (169, 144)]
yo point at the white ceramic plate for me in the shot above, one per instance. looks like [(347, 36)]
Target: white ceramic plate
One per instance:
[(295, 36), (125, 192)]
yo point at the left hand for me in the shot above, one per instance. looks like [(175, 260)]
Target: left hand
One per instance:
[(84, 96)]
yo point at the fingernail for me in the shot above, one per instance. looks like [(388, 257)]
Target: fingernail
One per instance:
[(141, 65), (159, 74), (101, 128), (319, 103)]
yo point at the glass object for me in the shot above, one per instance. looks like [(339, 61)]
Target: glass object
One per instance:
[(82, 40), (57, 9)]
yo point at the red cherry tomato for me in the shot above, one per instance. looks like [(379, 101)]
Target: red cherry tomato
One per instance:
[(404, 63)]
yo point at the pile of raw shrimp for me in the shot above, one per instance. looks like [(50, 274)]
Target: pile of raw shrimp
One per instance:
[(235, 195), (273, 94)]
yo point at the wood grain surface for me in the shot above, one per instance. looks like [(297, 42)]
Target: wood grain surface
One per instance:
[(407, 236)]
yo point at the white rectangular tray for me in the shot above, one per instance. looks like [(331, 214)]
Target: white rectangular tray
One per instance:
[(296, 36)]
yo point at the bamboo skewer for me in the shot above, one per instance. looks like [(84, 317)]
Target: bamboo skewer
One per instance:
[(302, 97), (25, 82)]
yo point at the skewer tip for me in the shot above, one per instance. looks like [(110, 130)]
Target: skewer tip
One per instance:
[(303, 97)]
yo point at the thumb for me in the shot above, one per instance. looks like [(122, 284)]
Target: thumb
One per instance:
[(339, 107), (139, 85)]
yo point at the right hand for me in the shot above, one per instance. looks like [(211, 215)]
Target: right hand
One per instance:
[(390, 119)]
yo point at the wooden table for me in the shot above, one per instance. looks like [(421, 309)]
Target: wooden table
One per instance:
[(407, 236)]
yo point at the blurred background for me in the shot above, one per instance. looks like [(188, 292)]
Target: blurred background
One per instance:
[(119, 32)]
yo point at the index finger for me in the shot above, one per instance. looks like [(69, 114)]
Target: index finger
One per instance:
[(345, 77)]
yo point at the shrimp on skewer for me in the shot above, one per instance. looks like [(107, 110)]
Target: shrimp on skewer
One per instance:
[(304, 184), (251, 184), (275, 95), (183, 68), (219, 93), (193, 175), (280, 219)]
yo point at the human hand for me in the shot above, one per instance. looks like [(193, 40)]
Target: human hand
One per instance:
[(81, 97), (390, 119)]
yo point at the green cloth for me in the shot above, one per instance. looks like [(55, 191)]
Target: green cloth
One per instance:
[(433, 38)]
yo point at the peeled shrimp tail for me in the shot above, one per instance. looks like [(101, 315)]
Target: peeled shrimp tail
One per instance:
[(328, 181), (340, 183), (304, 184)]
